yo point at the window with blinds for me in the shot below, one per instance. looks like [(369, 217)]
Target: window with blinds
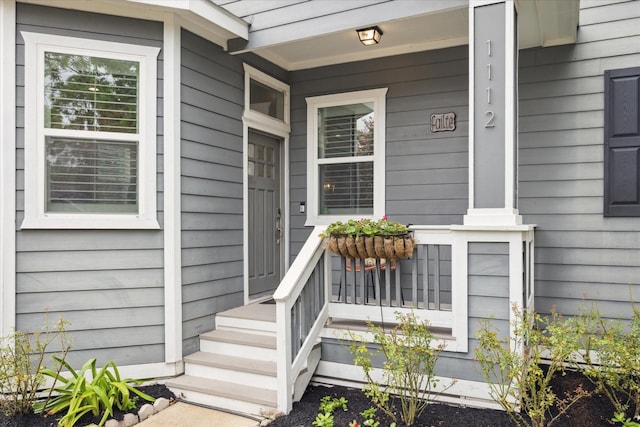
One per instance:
[(91, 94), (91, 175), (345, 159)]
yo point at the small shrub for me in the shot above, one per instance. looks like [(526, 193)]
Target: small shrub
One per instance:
[(408, 370), (616, 369), (79, 395), (22, 357), (513, 369)]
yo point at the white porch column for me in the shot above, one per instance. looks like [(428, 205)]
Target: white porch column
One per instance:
[(7, 166), (493, 133)]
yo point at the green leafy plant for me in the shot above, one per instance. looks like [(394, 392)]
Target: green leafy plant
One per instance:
[(612, 357), (619, 417), (79, 395), (328, 405), (323, 420), (408, 370), (512, 366), (366, 227), (22, 357)]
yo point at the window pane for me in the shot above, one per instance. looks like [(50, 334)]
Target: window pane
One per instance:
[(91, 176), (346, 188), (91, 93), (266, 100), (345, 131)]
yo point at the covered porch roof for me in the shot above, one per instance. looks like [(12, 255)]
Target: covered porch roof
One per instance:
[(321, 39)]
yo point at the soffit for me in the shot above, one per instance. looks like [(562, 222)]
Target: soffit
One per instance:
[(541, 23)]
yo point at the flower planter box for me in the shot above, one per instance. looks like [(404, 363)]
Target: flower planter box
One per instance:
[(390, 247)]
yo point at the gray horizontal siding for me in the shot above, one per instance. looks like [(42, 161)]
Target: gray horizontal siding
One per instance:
[(580, 255), (107, 283), (427, 173), (211, 185)]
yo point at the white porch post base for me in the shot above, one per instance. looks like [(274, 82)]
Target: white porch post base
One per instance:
[(492, 217)]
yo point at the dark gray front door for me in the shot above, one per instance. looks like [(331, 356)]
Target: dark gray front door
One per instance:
[(265, 212)]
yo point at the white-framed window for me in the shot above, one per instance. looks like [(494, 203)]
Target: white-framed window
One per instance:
[(346, 156), (266, 101), (90, 133)]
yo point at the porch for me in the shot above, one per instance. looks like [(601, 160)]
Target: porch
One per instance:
[(261, 357)]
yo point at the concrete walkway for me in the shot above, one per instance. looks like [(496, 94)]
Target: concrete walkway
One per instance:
[(183, 414)]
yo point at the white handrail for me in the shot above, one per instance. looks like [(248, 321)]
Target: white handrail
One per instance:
[(285, 297), (290, 284)]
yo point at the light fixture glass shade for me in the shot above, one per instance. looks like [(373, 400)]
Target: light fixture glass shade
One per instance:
[(369, 36)]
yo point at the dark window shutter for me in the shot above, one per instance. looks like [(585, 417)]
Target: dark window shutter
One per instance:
[(622, 142)]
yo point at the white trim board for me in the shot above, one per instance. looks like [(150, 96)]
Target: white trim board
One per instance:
[(8, 166), (281, 129), (172, 191), (462, 392)]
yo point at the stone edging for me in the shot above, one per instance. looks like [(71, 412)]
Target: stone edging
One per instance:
[(147, 410)]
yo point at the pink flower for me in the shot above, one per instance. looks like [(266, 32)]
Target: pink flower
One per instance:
[(384, 218)]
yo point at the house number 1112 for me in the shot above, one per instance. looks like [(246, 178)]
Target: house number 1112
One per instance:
[(490, 115)]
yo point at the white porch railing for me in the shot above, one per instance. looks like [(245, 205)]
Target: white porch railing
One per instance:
[(433, 284), (301, 313), (422, 284)]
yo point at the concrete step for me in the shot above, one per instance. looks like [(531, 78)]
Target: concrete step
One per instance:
[(220, 394), (239, 344), (259, 319), (259, 373)]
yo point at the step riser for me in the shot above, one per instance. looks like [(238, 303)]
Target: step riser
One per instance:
[(238, 350), (237, 377), (222, 402), (252, 326)]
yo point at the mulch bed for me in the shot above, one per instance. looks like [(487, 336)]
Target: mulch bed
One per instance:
[(37, 420), (590, 411)]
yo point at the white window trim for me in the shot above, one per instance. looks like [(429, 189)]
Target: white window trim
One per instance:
[(262, 122), (378, 97), (266, 122), (34, 192)]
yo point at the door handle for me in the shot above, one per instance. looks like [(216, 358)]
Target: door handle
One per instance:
[(278, 226)]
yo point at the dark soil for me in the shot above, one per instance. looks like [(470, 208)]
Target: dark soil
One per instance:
[(595, 410), (37, 420)]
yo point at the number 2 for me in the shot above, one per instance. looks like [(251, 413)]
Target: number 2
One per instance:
[(490, 119)]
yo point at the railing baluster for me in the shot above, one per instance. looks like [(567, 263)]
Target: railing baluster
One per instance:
[(376, 278), (414, 282), (363, 281), (399, 301), (425, 277), (343, 279), (387, 283), (353, 281), (436, 276)]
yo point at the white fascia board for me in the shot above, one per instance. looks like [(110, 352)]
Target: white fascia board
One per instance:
[(202, 17), (208, 11)]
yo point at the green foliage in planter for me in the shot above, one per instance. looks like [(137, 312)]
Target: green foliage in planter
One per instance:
[(513, 369), (612, 357), (366, 227), (79, 395), (22, 357), (408, 370)]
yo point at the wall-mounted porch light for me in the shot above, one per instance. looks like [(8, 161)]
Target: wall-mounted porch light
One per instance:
[(369, 36)]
